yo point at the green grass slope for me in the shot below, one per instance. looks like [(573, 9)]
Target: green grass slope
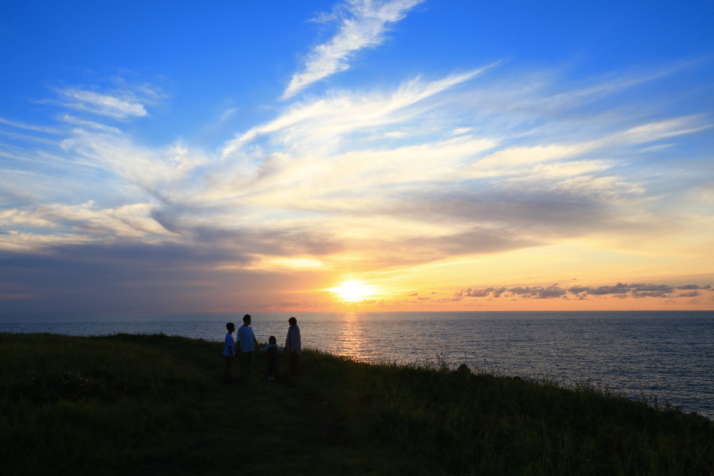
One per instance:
[(155, 405)]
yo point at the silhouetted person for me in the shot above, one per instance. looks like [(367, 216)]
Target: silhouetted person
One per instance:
[(229, 350), (247, 342), (294, 347), (272, 350)]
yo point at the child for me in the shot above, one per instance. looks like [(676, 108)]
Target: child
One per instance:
[(272, 350), (229, 350), (247, 341)]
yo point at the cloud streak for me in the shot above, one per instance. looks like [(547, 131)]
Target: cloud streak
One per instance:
[(104, 104), (362, 25), (619, 290)]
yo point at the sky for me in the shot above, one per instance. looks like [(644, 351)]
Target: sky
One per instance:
[(364, 155)]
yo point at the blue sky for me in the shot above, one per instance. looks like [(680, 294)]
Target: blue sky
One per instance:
[(173, 156)]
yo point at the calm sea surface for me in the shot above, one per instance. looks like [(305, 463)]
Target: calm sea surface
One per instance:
[(668, 355)]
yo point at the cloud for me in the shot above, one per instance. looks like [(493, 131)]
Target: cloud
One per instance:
[(104, 104), (478, 292), (22, 125), (538, 292), (362, 25), (651, 288), (341, 113), (129, 220), (367, 182), (636, 290), (497, 292), (693, 286), (690, 294), (619, 288), (131, 276), (90, 124)]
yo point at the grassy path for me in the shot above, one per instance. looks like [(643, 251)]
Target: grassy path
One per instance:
[(155, 405)]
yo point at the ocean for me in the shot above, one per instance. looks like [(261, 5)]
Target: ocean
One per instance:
[(664, 355)]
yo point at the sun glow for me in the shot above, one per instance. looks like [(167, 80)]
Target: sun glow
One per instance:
[(352, 290)]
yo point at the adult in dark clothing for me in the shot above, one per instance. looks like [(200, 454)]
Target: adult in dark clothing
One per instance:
[(294, 347)]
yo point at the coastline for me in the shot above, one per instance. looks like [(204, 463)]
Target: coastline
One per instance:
[(670, 357), (153, 404)]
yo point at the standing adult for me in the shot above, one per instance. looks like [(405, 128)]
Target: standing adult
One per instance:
[(247, 342), (294, 347)]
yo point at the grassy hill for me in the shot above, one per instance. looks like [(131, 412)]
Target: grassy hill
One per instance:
[(155, 405)]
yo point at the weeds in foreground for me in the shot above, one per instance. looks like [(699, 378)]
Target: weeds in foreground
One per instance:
[(138, 404), (462, 422)]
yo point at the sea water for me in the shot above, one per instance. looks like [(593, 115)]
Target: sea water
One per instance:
[(663, 355)]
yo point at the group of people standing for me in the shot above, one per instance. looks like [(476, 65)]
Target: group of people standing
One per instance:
[(246, 343)]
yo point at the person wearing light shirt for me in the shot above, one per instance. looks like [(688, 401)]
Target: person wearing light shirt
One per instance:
[(294, 347), (248, 343), (229, 350)]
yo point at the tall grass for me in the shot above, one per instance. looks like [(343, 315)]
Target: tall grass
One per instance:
[(68, 403), (138, 404), (459, 422)]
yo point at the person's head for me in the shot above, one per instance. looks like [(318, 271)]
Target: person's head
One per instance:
[(272, 340), (246, 320), (230, 327), (292, 321)]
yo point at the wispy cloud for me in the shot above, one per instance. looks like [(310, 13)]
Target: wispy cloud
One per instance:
[(104, 104), (362, 25), (29, 127), (345, 112)]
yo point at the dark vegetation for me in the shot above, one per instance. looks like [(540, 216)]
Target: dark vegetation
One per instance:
[(155, 405)]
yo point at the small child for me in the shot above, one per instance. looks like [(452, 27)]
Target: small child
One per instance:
[(229, 350), (272, 350)]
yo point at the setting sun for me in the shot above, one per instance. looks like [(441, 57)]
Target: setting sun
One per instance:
[(352, 290)]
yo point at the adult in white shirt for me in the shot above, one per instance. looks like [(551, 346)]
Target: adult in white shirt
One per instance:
[(229, 350), (294, 347), (248, 344)]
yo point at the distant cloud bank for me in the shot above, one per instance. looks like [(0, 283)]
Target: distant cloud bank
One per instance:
[(619, 290)]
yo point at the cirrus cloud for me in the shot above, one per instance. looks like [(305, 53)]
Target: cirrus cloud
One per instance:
[(362, 25)]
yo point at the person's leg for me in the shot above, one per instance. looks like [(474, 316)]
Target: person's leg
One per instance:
[(243, 362), (293, 361), (247, 363), (229, 361)]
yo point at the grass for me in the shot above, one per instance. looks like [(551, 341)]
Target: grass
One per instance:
[(155, 405)]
